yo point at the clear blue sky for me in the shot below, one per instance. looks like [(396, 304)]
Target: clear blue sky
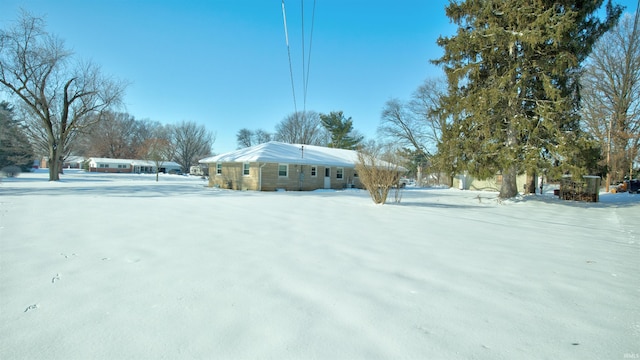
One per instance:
[(224, 64)]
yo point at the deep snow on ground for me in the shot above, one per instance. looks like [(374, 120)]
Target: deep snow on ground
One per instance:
[(101, 266)]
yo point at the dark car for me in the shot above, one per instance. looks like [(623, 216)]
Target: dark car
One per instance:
[(633, 186)]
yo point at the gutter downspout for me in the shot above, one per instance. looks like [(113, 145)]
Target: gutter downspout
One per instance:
[(260, 176)]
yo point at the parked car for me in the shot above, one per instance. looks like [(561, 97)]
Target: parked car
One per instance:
[(633, 186)]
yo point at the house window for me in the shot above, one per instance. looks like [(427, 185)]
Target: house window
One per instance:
[(104, 165), (218, 169), (339, 173), (122, 166), (314, 171), (283, 170), (245, 169)]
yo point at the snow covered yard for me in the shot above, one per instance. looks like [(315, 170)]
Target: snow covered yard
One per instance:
[(120, 267)]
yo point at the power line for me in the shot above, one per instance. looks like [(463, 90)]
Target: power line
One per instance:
[(304, 91), (286, 35), (306, 80), (306, 60)]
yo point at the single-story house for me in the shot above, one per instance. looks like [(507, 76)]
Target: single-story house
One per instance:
[(274, 165), (468, 182), (130, 166), (70, 162), (73, 162)]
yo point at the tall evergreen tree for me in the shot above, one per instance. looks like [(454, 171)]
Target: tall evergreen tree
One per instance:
[(512, 71), (15, 148), (340, 130)]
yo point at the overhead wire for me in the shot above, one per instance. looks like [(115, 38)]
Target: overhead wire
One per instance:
[(286, 36), (306, 59), (306, 80), (304, 92)]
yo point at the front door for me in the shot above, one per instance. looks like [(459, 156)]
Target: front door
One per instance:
[(327, 178)]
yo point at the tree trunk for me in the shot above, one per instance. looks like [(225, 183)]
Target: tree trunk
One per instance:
[(55, 164), (530, 186), (509, 187)]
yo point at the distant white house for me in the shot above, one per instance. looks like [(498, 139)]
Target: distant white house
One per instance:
[(130, 166), (468, 182), (275, 165), (70, 162)]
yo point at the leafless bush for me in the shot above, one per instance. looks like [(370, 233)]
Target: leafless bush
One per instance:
[(378, 176)]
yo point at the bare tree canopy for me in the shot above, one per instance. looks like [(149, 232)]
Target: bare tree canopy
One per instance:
[(247, 137), (192, 142), (116, 136), (61, 96), (611, 97), (301, 128), (417, 126), (158, 147), (399, 124), (244, 138)]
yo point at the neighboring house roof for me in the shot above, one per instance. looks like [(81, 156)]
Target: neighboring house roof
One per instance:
[(278, 152), (132, 162), (74, 159)]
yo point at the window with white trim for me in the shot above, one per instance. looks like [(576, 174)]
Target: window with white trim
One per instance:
[(218, 169), (339, 173), (283, 170), (104, 165), (245, 169), (314, 171)]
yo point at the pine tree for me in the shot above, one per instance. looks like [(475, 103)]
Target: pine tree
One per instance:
[(15, 149), (512, 70), (341, 130)]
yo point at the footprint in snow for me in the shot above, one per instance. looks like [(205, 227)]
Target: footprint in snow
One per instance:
[(31, 307), (55, 278)]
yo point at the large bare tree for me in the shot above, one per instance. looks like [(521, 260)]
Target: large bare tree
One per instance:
[(192, 142), (61, 97), (114, 136), (301, 128), (247, 137), (417, 126), (400, 124), (158, 147), (611, 97)]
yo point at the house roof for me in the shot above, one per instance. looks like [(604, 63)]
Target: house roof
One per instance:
[(278, 152), (133, 162)]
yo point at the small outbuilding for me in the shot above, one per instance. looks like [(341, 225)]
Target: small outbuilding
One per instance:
[(587, 189), (275, 165)]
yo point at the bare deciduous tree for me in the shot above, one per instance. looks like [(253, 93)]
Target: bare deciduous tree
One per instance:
[(244, 138), (400, 124), (114, 136), (158, 148), (611, 97), (301, 128), (192, 142), (261, 136), (60, 96)]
